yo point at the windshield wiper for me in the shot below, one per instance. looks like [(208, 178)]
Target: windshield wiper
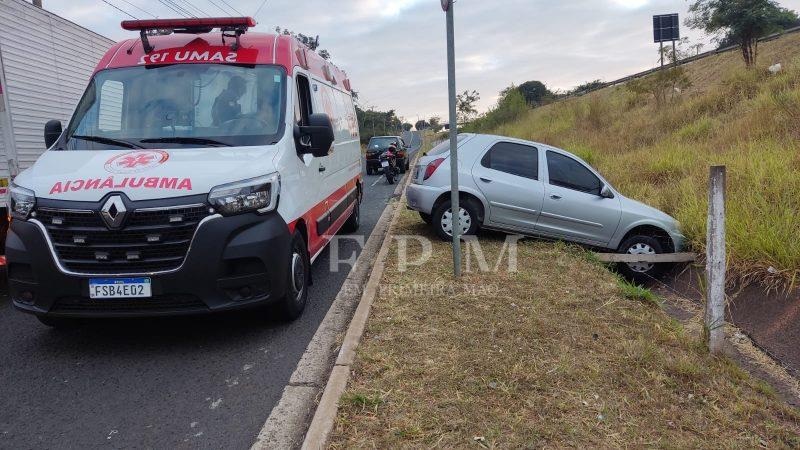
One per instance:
[(185, 140), (105, 140)]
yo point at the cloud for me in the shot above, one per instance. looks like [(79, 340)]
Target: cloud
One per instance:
[(394, 50)]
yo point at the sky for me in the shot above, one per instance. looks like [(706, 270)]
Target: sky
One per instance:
[(394, 51)]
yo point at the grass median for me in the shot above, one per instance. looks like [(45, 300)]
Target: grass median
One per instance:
[(555, 353)]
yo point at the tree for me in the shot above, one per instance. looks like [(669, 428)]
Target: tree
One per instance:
[(586, 87), (465, 106), (407, 126), (377, 123), (663, 86), (534, 92), (741, 22), (422, 125), (436, 124)]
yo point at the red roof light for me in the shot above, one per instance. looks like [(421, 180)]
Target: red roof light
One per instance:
[(187, 24)]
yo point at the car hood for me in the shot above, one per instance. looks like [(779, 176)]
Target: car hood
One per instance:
[(146, 174), (636, 208)]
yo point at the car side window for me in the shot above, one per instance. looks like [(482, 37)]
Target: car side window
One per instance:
[(515, 159), (569, 173)]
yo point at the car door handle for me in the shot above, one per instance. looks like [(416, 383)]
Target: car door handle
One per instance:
[(486, 180), (555, 196), (322, 168)]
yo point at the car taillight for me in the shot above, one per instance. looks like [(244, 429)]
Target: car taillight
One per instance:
[(431, 168)]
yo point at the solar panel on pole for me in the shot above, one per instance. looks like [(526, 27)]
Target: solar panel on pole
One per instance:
[(666, 28)]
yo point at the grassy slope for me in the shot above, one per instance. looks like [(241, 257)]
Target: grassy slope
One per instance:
[(749, 121), (554, 355)]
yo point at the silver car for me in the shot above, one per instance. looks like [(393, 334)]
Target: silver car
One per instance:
[(534, 189)]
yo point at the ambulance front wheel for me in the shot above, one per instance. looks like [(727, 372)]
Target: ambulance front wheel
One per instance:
[(291, 306)]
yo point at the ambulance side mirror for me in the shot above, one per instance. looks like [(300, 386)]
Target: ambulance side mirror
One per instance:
[(52, 131), (317, 137)]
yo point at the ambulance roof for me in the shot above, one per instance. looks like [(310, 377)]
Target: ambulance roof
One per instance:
[(208, 48)]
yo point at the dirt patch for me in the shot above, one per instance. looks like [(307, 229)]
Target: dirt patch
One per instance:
[(771, 318)]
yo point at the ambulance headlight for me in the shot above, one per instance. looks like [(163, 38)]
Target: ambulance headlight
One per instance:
[(256, 194), (22, 202)]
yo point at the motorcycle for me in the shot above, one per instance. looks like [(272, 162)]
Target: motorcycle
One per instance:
[(389, 164)]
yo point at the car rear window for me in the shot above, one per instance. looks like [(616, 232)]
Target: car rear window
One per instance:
[(381, 142), (515, 159), (444, 146)]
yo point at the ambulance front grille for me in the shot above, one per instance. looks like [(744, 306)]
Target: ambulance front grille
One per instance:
[(150, 240)]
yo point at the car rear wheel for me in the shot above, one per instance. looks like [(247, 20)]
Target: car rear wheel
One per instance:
[(641, 245), (291, 306), (443, 219)]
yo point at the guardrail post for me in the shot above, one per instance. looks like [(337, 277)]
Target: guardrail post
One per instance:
[(714, 332)]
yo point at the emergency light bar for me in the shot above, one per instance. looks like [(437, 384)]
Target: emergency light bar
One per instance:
[(237, 25)]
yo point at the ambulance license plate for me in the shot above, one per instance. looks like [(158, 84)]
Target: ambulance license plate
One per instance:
[(119, 288), (384, 163)]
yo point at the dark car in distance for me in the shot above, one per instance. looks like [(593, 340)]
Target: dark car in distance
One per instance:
[(378, 145)]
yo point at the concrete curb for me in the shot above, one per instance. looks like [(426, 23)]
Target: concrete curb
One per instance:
[(286, 425), (319, 431)]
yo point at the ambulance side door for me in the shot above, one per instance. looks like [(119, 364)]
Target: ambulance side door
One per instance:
[(311, 168)]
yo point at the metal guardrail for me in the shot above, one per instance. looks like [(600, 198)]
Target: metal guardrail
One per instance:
[(678, 63)]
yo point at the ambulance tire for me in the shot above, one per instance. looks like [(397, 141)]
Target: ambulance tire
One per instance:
[(291, 306), (354, 221)]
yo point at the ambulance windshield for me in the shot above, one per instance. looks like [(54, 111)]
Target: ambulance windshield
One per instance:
[(179, 106)]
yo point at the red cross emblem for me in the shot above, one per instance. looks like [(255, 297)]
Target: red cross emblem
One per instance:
[(136, 161)]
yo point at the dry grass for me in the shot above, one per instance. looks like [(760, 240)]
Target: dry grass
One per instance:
[(552, 355), (747, 120)]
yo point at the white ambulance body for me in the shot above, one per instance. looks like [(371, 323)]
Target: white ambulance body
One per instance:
[(200, 172)]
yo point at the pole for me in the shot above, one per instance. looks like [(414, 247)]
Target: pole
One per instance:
[(451, 85), (662, 54), (713, 332), (674, 55)]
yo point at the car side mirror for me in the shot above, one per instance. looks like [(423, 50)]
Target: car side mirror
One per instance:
[(606, 192), (317, 137), (52, 131)]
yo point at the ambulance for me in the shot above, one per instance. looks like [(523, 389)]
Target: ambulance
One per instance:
[(204, 169)]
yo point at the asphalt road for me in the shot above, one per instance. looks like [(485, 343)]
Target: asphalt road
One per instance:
[(205, 382)]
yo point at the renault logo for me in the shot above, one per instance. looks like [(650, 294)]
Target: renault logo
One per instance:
[(113, 212)]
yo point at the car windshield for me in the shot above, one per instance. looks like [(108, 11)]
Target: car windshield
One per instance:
[(381, 142), (181, 105)]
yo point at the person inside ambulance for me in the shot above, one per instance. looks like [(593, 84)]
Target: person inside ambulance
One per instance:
[(226, 105)]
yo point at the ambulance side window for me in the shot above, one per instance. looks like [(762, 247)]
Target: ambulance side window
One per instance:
[(303, 107)]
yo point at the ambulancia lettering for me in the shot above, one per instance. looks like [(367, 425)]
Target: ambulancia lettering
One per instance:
[(169, 183)]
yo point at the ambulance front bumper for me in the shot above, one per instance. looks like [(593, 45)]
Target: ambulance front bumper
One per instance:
[(233, 262)]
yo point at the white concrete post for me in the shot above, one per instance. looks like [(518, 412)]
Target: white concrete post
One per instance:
[(714, 332)]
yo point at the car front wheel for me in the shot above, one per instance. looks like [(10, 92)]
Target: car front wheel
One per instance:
[(641, 245)]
